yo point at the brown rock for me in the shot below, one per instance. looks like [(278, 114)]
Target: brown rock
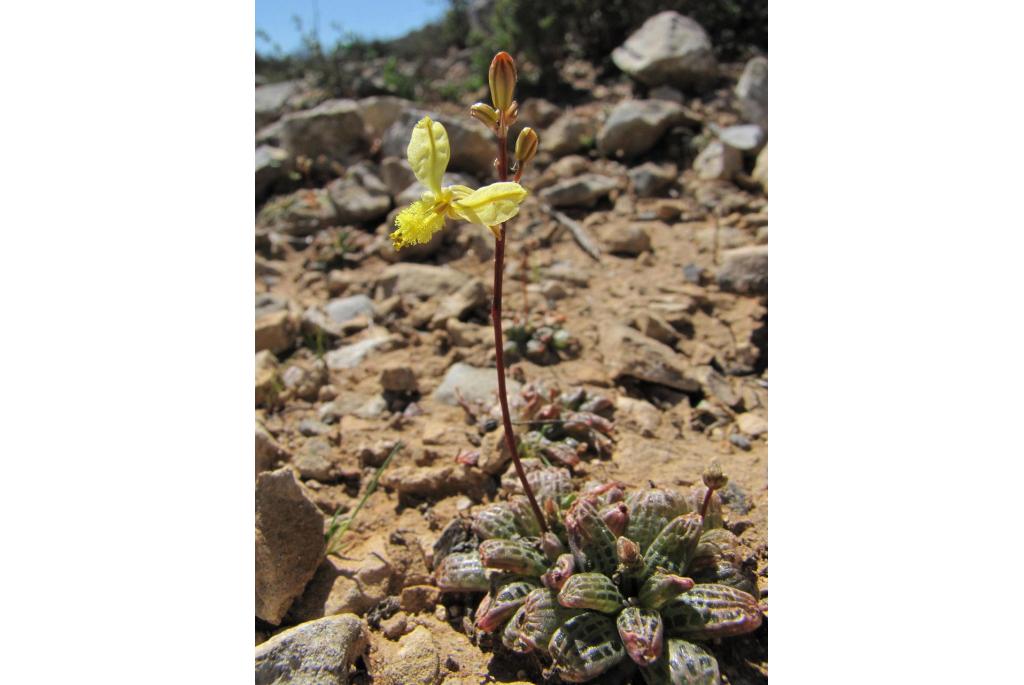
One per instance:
[(275, 332), (416, 660), (630, 354), (417, 598), (268, 453), (314, 653), (289, 542)]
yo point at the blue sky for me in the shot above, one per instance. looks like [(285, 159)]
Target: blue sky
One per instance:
[(369, 18)]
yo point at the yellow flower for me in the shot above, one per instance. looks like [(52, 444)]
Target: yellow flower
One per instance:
[(429, 153)]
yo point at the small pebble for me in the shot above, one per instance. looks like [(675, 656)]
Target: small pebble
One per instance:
[(740, 441)]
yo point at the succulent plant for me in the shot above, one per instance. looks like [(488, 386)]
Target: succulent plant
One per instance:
[(562, 427), (545, 344), (644, 577)]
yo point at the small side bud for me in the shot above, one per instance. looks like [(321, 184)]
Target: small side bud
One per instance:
[(526, 145), (713, 476), (485, 114), (502, 78)]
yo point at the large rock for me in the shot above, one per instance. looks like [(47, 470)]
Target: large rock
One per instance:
[(634, 126), (397, 174), (718, 161), (344, 309), (333, 128), (359, 196), (473, 150), (289, 542), (582, 191), (380, 112), (269, 454), (272, 99), (316, 653), (669, 49), (744, 270), (271, 168), (752, 92), (474, 384), (630, 354), (571, 133), (423, 280)]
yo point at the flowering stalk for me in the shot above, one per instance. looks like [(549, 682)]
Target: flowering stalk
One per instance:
[(502, 78)]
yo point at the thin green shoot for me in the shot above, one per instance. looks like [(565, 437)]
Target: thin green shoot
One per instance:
[(340, 524)]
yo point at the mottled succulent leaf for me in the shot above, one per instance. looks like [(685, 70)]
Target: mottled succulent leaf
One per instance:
[(650, 510), (724, 571), (496, 521), (510, 635), (503, 603), (585, 646), (674, 546), (540, 618), (594, 591), (717, 542), (592, 544), (513, 556), (462, 572), (710, 611), (661, 588), (683, 663), (641, 632)]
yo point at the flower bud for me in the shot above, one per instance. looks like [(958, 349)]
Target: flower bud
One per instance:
[(526, 145), (713, 476), (485, 114), (502, 79)]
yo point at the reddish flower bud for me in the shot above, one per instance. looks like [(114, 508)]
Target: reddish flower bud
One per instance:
[(502, 78)]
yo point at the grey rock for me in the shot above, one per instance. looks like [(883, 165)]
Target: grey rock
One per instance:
[(472, 149), (718, 161), (744, 270), (761, 169), (582, 191), (313, 428), (572, 132), (422, 280), (716, 385), (624, 239), (333, 128), (271, 100), (289, 542), (373, 408), (747, 138), (630, 354), (650, 179), (538, 112), (267, 303), (350, 356), (474, 384), (266, 377), (752, 92), (316, 460), (668, 49), (667, 93), (396, 172), (753, 425), (359, 197), (634, 126), (343, 309), (301, 213), (303, 380), (380, 112), (271, 169), (315, 653), (470, 296)]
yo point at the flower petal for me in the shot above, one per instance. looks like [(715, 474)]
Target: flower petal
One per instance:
[(429, 152), (416, 224), (491, 205)]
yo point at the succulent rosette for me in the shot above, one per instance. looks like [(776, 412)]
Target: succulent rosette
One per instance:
[(643, 576)]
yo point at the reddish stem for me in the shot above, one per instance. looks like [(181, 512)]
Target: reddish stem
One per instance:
[(499, 346), (707, 501)]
